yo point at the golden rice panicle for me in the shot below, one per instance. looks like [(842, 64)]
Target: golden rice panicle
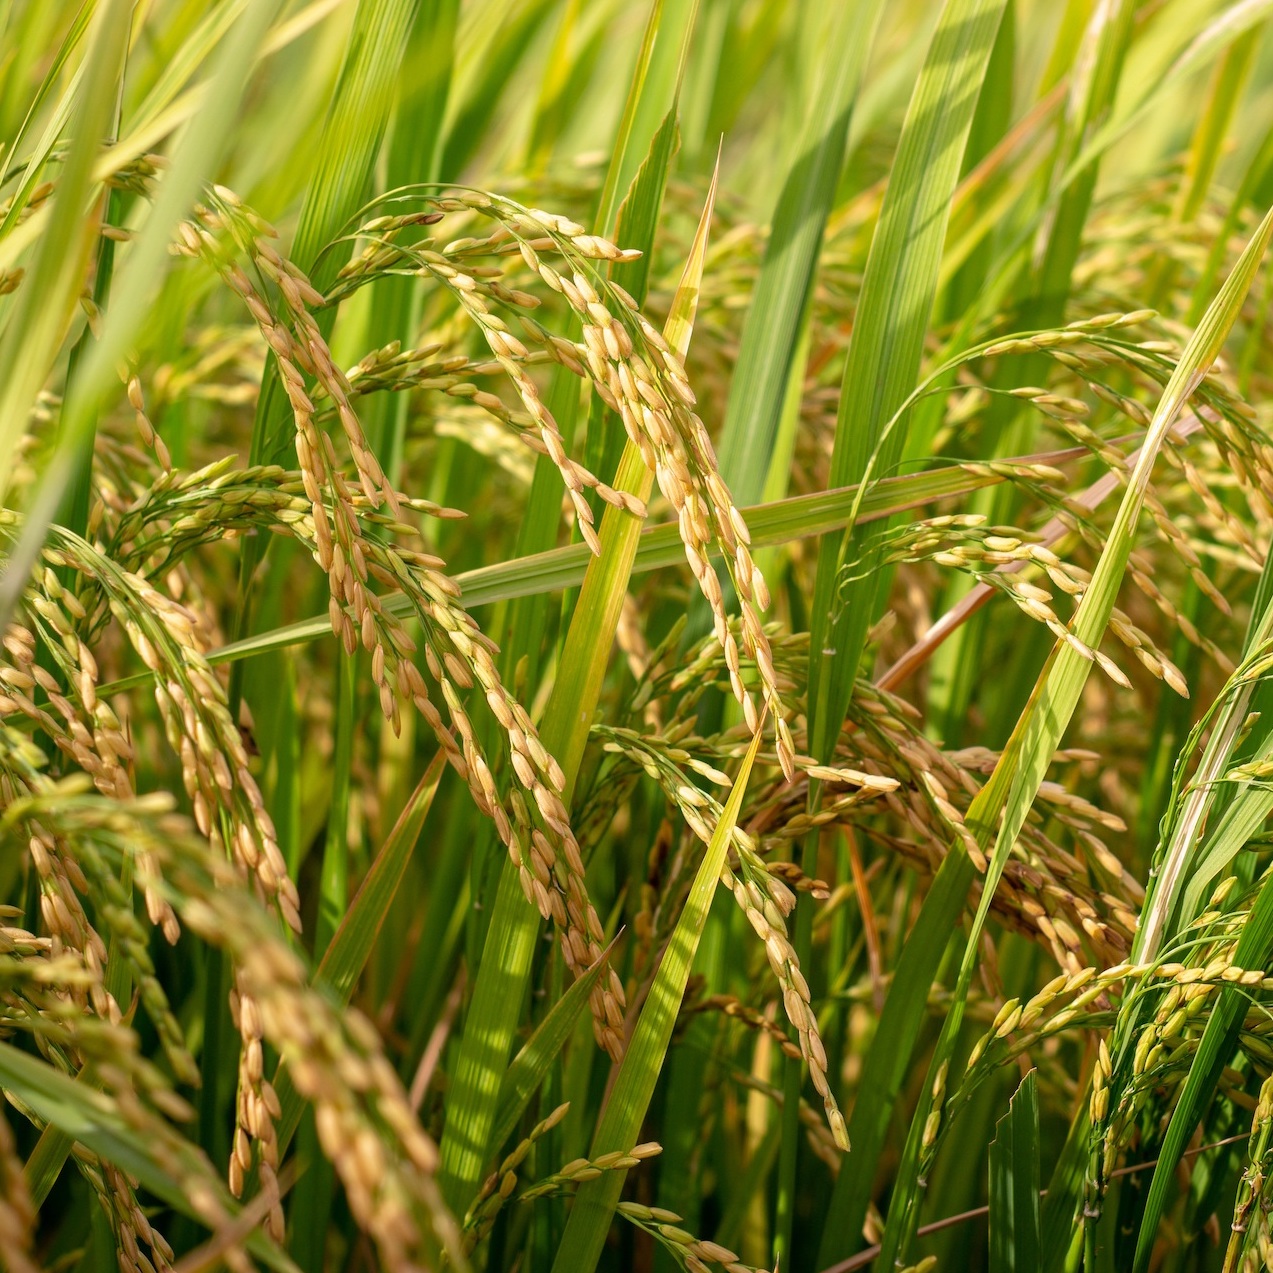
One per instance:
[(255, 1109), (76, 1041), (145, 429), (62, 882), (767, 902), (386, 1162), (68, 870), (644, 381), (456, 652), (501, 1183), (297, 296), (214, 762), (542, 845), (216, 776), (688, 1251), (132, 1225), (580, 1170), (89, 734), (364, 1118), (533, 822), (339, 547), (477, 295), (509, 352), (637, 375), (17, 1212), (167, 637)]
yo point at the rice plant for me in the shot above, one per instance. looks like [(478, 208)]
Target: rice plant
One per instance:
[(636, 635)]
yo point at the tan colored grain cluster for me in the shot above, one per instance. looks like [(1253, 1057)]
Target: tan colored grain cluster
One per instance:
[(693, 1254), (17, 1214), (634, 372), (537, 831), (766, 900)]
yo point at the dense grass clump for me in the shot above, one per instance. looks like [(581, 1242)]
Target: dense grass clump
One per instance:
[(636, 635)]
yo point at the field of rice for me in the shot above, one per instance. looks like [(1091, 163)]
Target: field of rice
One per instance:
[(637, 635)]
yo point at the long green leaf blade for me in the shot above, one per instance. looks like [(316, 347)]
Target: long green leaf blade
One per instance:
[(1014, 1184), (892, 318)]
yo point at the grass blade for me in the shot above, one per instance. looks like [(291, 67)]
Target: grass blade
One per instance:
[(356, 121), (1014, 1184), (34, 164), (530, 1066), (46, 305), (791, 257), (134, 290), (892, 318)]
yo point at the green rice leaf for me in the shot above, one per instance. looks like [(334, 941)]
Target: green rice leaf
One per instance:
[(46, 304), (787, 271), (892, 319), (530, 1066), (97, 371), (33, 165), (343, 162), (1014, 1184)]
